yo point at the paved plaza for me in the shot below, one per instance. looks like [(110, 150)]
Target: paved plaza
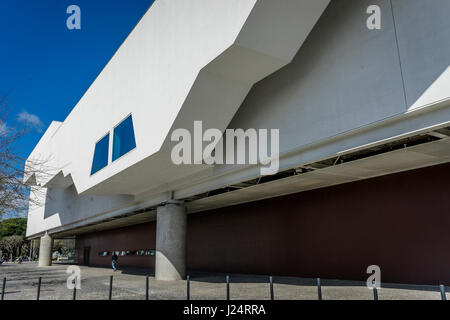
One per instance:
[(129, 284)]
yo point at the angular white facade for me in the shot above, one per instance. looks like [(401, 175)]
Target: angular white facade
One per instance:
[(310, 68)]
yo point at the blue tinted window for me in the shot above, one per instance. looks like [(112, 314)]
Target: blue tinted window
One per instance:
[(100, 154), (123, 138)]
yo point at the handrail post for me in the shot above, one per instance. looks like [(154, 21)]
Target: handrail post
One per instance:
[(75, 289), (188, 289), (146, 288), (110, 287), (319, 289), (39, 289), (3, 288), (375, 292), (228, 287), (271, 287)]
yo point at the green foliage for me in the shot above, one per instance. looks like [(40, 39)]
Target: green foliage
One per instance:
[(13, 227)]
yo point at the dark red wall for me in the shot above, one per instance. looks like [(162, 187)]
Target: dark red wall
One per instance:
[(399, 222), (138, 237)]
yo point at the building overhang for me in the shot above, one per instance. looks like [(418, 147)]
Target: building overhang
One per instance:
[(382, 158), (183, 62)]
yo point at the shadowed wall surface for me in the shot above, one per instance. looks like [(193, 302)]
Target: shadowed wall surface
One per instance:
[(138, 237), (399, 222)]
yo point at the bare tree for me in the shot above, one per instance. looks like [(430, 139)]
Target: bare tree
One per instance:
[(14, 192), (11, 245)]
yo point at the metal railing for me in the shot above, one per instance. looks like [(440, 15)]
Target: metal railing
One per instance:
[(441, 288)]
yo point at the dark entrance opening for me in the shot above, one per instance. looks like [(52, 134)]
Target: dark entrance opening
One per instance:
[(86, 255)]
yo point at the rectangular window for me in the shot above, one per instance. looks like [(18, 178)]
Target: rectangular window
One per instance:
[(123, 141), (100, 154)]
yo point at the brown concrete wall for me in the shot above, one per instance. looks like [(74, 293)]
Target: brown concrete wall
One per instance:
[(399, 222)]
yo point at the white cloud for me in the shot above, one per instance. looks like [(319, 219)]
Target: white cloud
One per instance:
[(3, 129), (31, 120)]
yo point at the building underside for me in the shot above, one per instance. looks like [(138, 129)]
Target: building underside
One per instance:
[(334, 232)]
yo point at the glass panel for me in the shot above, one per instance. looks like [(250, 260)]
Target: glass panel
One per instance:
[(123, 138), (100, 154)]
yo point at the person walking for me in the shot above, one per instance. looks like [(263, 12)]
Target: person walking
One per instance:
[(114, 261)]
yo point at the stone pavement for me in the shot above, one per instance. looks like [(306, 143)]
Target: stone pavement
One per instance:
[(129, 283)]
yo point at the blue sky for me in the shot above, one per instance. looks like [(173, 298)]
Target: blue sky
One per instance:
[(45, 68)]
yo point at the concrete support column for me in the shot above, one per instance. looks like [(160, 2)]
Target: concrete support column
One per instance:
[(45, 250), (170, 262), (31, 249)]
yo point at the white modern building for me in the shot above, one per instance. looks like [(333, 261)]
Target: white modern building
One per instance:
[(364, 149)]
